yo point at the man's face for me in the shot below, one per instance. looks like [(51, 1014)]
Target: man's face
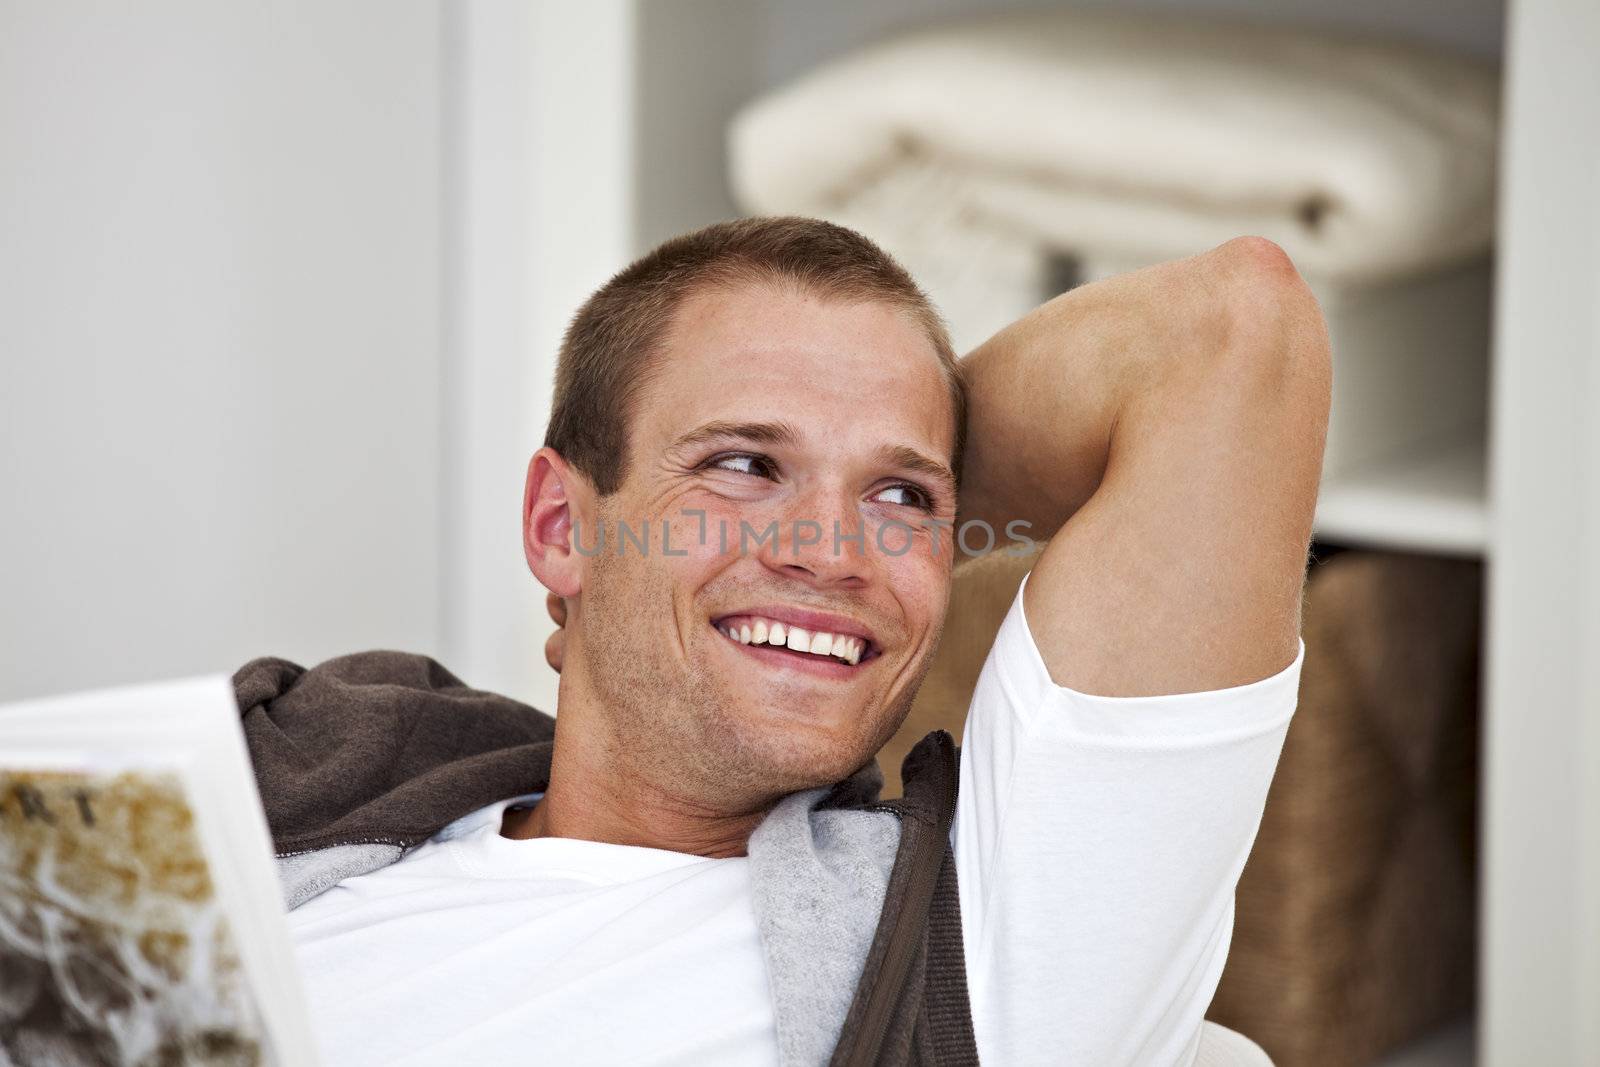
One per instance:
[(773, 410)]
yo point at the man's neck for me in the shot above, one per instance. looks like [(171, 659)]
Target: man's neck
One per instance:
[(590, 798)]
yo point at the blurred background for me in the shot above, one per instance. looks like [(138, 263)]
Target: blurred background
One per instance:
[(281, 287)]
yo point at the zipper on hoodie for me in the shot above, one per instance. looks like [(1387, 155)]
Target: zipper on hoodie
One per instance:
[(340, 844), (903, 945)]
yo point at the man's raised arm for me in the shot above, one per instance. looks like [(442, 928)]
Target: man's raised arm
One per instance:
[(1165, 429)]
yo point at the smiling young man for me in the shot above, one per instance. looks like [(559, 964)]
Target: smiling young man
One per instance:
[(746, 502)]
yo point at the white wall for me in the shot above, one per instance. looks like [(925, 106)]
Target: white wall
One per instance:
[(1541, 916), (539, 196), (700, 63), (219, 335), (495, 385)]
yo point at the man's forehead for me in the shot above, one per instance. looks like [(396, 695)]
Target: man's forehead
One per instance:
[(728, 330), (761, 348)]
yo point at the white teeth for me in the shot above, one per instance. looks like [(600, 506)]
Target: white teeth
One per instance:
[(798, 638)]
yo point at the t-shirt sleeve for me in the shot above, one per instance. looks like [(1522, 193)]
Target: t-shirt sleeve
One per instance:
[(1098, 841)]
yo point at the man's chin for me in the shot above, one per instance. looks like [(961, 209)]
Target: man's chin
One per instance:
[(790, 750)]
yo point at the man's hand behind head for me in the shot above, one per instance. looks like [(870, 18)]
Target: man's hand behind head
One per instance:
[(556, 643)]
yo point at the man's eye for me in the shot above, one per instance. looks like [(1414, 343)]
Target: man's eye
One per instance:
[(744, 463), (905, 495)]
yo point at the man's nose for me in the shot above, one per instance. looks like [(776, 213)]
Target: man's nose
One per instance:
[(823, 540)]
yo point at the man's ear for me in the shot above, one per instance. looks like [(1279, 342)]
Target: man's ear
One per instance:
[(552, 500)]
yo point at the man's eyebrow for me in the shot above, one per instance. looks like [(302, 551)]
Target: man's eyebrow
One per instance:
[(909, 459), (784, 435), (781, 434)]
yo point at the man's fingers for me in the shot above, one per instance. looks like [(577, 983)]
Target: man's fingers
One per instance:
[(555, 644)]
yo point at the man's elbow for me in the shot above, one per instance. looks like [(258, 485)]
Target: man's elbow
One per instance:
[(1255, 275), (1257, 257), (1271, 313)]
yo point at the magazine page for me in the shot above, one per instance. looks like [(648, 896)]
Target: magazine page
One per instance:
[(117, 947), (141, 917)]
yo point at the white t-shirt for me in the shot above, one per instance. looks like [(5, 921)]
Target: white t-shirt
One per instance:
[(1098, 841), (477, 949)]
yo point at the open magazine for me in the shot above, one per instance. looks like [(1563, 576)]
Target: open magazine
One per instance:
[(141, 921)]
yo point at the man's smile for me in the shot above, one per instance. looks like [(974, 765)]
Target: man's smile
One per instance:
[(831, 645)]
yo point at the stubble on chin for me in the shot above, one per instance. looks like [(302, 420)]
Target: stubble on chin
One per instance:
[(679, 727), (690, 731), (684, 728), (667, 724)]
